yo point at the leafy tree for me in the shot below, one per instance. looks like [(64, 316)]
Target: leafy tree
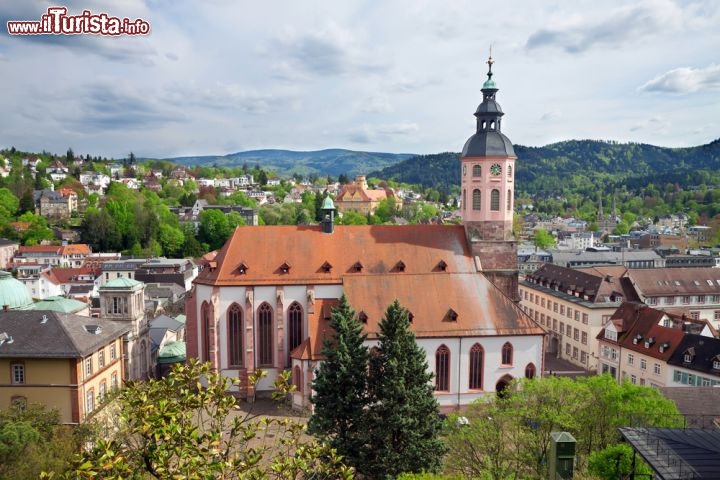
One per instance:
[(214, 228), (403, 422), (340, 396), (386, 210), (543, 239), (616, 462), (509, 436), (32, 440), (171, 240), (38, 229), (352, 218), (187, 426)]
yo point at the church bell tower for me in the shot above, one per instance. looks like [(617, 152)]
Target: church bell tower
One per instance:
[(487, 193)]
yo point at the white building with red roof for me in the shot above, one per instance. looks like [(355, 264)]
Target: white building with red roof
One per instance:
[(264, 302)]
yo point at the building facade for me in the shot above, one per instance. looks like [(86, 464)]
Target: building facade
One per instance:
[(573, 305), (62, 361)]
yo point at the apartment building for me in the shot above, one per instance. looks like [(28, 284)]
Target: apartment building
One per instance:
[(573, 305), (638, 343)]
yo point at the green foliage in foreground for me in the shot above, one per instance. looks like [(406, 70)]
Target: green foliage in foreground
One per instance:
[(509, 437), (187, 426), (32, 440)]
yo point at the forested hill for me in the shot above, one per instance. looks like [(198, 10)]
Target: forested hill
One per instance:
[(577, 165), (334, 161)]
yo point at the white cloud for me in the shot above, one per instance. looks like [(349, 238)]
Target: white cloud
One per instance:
[(685, 80)]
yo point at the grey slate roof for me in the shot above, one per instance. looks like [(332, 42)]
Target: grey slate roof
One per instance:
[(704, 350), (61, 336), (488, 144)]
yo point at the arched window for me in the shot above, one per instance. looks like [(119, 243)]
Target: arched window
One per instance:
[(297, 379), (235, 336), (509, 170), (530, 371), (265, 335), (205, 327), (464, 200), (495, 200), (477, 171), (476, 199), (442, 369), (295, 317), (507, 354), (476, 367), (509, 200)]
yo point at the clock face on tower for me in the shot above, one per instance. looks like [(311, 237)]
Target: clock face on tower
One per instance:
[(495, 169)]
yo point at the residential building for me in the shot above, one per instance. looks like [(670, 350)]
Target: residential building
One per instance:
[(695, 362), (694, 292), (57, 171), (52, 204), (358, 197), (161, 270), (70, 255), (8, 249), (638, 343), (573, 305), (63, 361), (628, 258), (264, 301)]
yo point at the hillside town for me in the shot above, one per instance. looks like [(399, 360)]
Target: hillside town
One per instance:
[(486, 304)]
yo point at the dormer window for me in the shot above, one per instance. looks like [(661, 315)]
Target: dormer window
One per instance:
[(285, 267), (442, 266), (357, 267), (637, 338), (688, 355), (326, 267), (411, 317), (452, 315), (242, 268), (611, 335), (664, 347), (649, 342), (716, 362), (400, 266), (362, 316)]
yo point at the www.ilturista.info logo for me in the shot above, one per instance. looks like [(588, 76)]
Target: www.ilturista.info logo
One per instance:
[(57, 22)]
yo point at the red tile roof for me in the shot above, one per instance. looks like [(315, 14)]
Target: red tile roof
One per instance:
[(396, 262), (378, 249)]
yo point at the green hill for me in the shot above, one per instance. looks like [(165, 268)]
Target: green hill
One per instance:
[(577, 165), (332, 162)]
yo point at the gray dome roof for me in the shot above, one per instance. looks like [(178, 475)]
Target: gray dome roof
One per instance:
[(487, 144), (13, 293), (489, 106)]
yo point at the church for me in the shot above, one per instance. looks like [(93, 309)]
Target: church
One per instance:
[(265, 301)]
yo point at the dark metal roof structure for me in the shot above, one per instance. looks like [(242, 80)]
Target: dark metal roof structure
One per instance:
[(677, 454), (488, 141)]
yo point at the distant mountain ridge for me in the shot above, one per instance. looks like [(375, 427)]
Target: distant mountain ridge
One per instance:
[(576, 164), (333, 161)]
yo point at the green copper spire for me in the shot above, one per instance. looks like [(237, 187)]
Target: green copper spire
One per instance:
[(489, 83)]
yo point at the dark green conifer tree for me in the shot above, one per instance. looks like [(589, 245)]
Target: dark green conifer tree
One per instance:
[(340, 387), (403, 421)]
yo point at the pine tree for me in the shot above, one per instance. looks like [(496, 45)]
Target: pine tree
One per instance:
[(404, 419), (340, 387)]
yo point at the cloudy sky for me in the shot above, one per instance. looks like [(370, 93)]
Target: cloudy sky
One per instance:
[(220, 76)]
